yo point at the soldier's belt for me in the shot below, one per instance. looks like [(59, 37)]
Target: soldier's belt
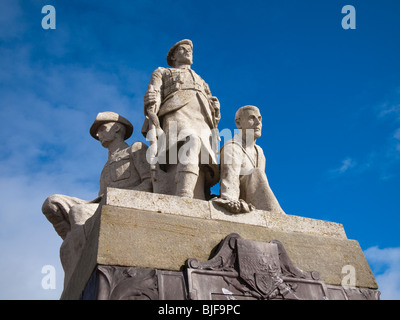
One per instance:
[(178, 86)]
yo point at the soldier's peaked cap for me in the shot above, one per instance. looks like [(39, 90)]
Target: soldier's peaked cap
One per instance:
[(171, 51), (108, 116)]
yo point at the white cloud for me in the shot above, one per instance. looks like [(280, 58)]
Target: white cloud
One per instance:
[(27, 239), (347, 164), (396, 136), (47, 111), (382, 160), (390, 113), (389, 110), (385, 157), (385, 264)]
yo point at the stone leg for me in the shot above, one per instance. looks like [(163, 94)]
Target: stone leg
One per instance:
[(72, 246), (56, 208), (188, 167)]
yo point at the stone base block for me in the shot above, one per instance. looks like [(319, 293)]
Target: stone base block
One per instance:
[(158, 232)]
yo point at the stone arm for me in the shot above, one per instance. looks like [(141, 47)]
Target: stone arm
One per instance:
[(214, 103), (231, 167), (153, 95), (231, 163)]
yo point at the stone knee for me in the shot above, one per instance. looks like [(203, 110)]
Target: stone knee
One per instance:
[(81, 212), (49, 206), (56, 215)]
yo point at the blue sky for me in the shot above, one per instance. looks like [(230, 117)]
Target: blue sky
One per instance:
[(329, 97)]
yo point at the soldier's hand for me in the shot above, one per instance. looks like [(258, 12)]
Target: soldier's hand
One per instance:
[(215, 103), (150, 97)]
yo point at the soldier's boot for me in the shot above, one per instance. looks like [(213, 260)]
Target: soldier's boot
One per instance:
[(185, 184)]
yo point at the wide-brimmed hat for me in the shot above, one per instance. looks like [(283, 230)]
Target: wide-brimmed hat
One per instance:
[(171, 51), (108, 116)]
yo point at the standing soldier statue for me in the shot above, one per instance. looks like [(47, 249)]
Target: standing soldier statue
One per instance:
[(179, 105)]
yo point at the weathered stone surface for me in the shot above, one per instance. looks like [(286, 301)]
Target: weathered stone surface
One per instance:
[(139, 238), (242, 269), (126, 283), (86, 264), (158, 202), (254, 217), (209, 210), (291, 223), (134, 230)]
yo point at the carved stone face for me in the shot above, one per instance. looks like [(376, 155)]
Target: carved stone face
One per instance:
[(107, 133), (183, 55), (251, 119)]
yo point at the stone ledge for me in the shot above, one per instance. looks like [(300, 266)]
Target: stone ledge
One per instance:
[(145, 239), (147, 230), (209, 210)]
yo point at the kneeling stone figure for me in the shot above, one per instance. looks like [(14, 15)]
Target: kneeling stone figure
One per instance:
[(244, 184)]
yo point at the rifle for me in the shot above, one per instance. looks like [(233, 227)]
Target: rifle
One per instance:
[(154, 126)]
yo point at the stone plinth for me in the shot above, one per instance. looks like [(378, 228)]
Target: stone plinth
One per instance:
[(154, 231)]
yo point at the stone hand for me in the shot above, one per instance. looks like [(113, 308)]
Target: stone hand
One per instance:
[(216, 108), (215, 103), (235, 206), (150, 97)]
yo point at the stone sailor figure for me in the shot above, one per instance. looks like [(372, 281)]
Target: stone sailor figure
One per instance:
[(244, 184), (126, 168), (179, 103)]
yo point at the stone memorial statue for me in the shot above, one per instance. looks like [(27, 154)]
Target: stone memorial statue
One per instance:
[(149, 233), (126, 168), (179, 104), (244, 184)]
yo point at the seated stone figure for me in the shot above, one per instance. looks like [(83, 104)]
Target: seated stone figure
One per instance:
[(126, 168), (244, 184)]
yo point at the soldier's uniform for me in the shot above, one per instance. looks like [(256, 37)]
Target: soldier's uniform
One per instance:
[(243, 177), (126, 168), (185, 109)]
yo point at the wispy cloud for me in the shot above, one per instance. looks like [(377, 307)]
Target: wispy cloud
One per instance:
[(385, 264), (47, 109), (388, 109), (10, 13), (27, 240), (396, 136), (384, 157), (345, 166)]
